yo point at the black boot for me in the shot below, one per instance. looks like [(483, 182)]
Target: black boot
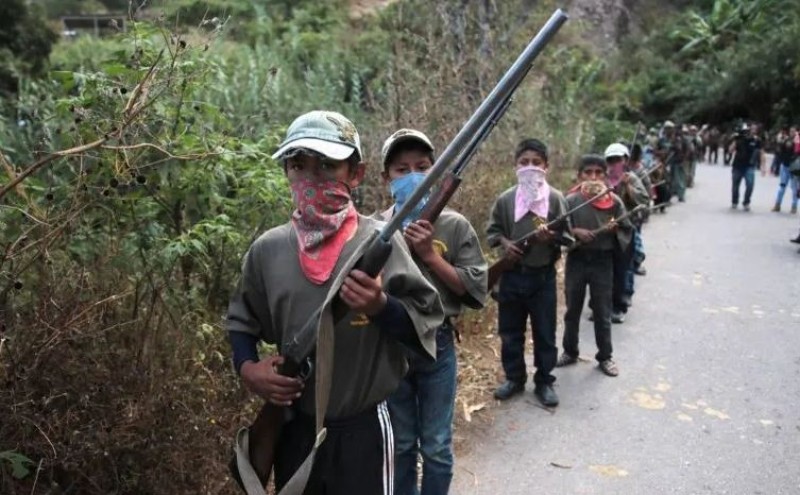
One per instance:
[(546, 395), (509, 389)]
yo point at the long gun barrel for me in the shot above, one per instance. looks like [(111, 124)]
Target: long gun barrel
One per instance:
[(297, 353), (480, 125)]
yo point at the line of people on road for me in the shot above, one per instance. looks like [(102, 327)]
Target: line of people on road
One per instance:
[(602, 214), (390, 395)]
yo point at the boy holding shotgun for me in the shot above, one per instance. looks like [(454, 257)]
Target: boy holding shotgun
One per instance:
[(286, 276), (528, 289), (448, 253), (592, 261)]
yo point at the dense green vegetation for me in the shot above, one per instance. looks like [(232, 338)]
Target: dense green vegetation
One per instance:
[(719, 61), (136, 172)]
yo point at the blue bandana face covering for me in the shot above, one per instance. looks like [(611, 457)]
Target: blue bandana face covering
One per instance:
[(401, 189)]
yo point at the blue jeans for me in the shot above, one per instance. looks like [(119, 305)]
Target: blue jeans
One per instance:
[(531, 294), (637, 258), (787, 179), (749, 176), (422, 420)]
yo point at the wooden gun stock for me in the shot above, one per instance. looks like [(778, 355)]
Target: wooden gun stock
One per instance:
[(437, 202)]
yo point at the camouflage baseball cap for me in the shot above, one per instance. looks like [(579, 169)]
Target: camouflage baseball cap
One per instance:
[(403, 135), (328, 133)]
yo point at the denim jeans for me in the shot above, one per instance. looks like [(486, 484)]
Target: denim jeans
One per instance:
[(636, 260), (595, 269), (787, 179), (522, 295), (422, 419), (749, 176)]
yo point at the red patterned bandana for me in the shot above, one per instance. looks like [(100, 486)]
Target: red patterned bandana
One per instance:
[(324, 220)]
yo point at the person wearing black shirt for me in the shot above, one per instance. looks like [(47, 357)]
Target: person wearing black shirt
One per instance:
[(746, 149)]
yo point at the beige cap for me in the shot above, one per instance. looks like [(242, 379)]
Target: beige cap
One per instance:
[(401, 136)]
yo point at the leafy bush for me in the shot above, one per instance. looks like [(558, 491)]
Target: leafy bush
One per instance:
[(139, 173)]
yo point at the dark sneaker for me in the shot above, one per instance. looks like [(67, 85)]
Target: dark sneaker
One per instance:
[(796, 240), (642, 271), (617, 317), (794, 210), (746, 207), (508, 389), (776, 208), (609, 367), (565, 360), (734, 206), (546, 395)]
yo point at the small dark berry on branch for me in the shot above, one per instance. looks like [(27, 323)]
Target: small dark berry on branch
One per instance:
[(113, 182), (18, 285)]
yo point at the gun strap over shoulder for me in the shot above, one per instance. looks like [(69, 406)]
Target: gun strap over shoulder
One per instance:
[(323, 370)]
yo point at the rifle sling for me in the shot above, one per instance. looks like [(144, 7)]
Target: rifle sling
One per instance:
[(323, 372)]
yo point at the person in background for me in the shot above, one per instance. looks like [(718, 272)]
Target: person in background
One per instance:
[(672, 152), (629, 188), (747, 156), (714, 137), (784, 155)]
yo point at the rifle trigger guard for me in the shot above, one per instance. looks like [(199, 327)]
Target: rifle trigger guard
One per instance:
[(306, 369)]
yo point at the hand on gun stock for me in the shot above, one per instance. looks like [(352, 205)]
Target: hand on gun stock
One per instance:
[(512, 252), (262, 378), (419, 236), (584, 236), (362, 293), (544, 234)]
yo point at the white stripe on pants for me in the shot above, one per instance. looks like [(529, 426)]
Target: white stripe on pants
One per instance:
[(388, 448)]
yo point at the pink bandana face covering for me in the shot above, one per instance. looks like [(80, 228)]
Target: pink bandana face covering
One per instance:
[(324, 220), (533, 193)]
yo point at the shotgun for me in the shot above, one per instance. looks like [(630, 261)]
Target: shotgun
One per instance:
[(524, 242), (263, 435)]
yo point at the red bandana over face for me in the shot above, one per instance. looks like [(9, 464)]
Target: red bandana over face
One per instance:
[(324, 220)]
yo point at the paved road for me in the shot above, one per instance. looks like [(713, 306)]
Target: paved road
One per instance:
[(708, 399)]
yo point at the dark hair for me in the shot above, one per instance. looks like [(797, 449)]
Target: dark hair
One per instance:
[(353, 160), (636, 153), (587, 160), (531, 145), (407, 145)]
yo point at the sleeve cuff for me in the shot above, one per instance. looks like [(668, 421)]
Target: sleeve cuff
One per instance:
[(245, 348)]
